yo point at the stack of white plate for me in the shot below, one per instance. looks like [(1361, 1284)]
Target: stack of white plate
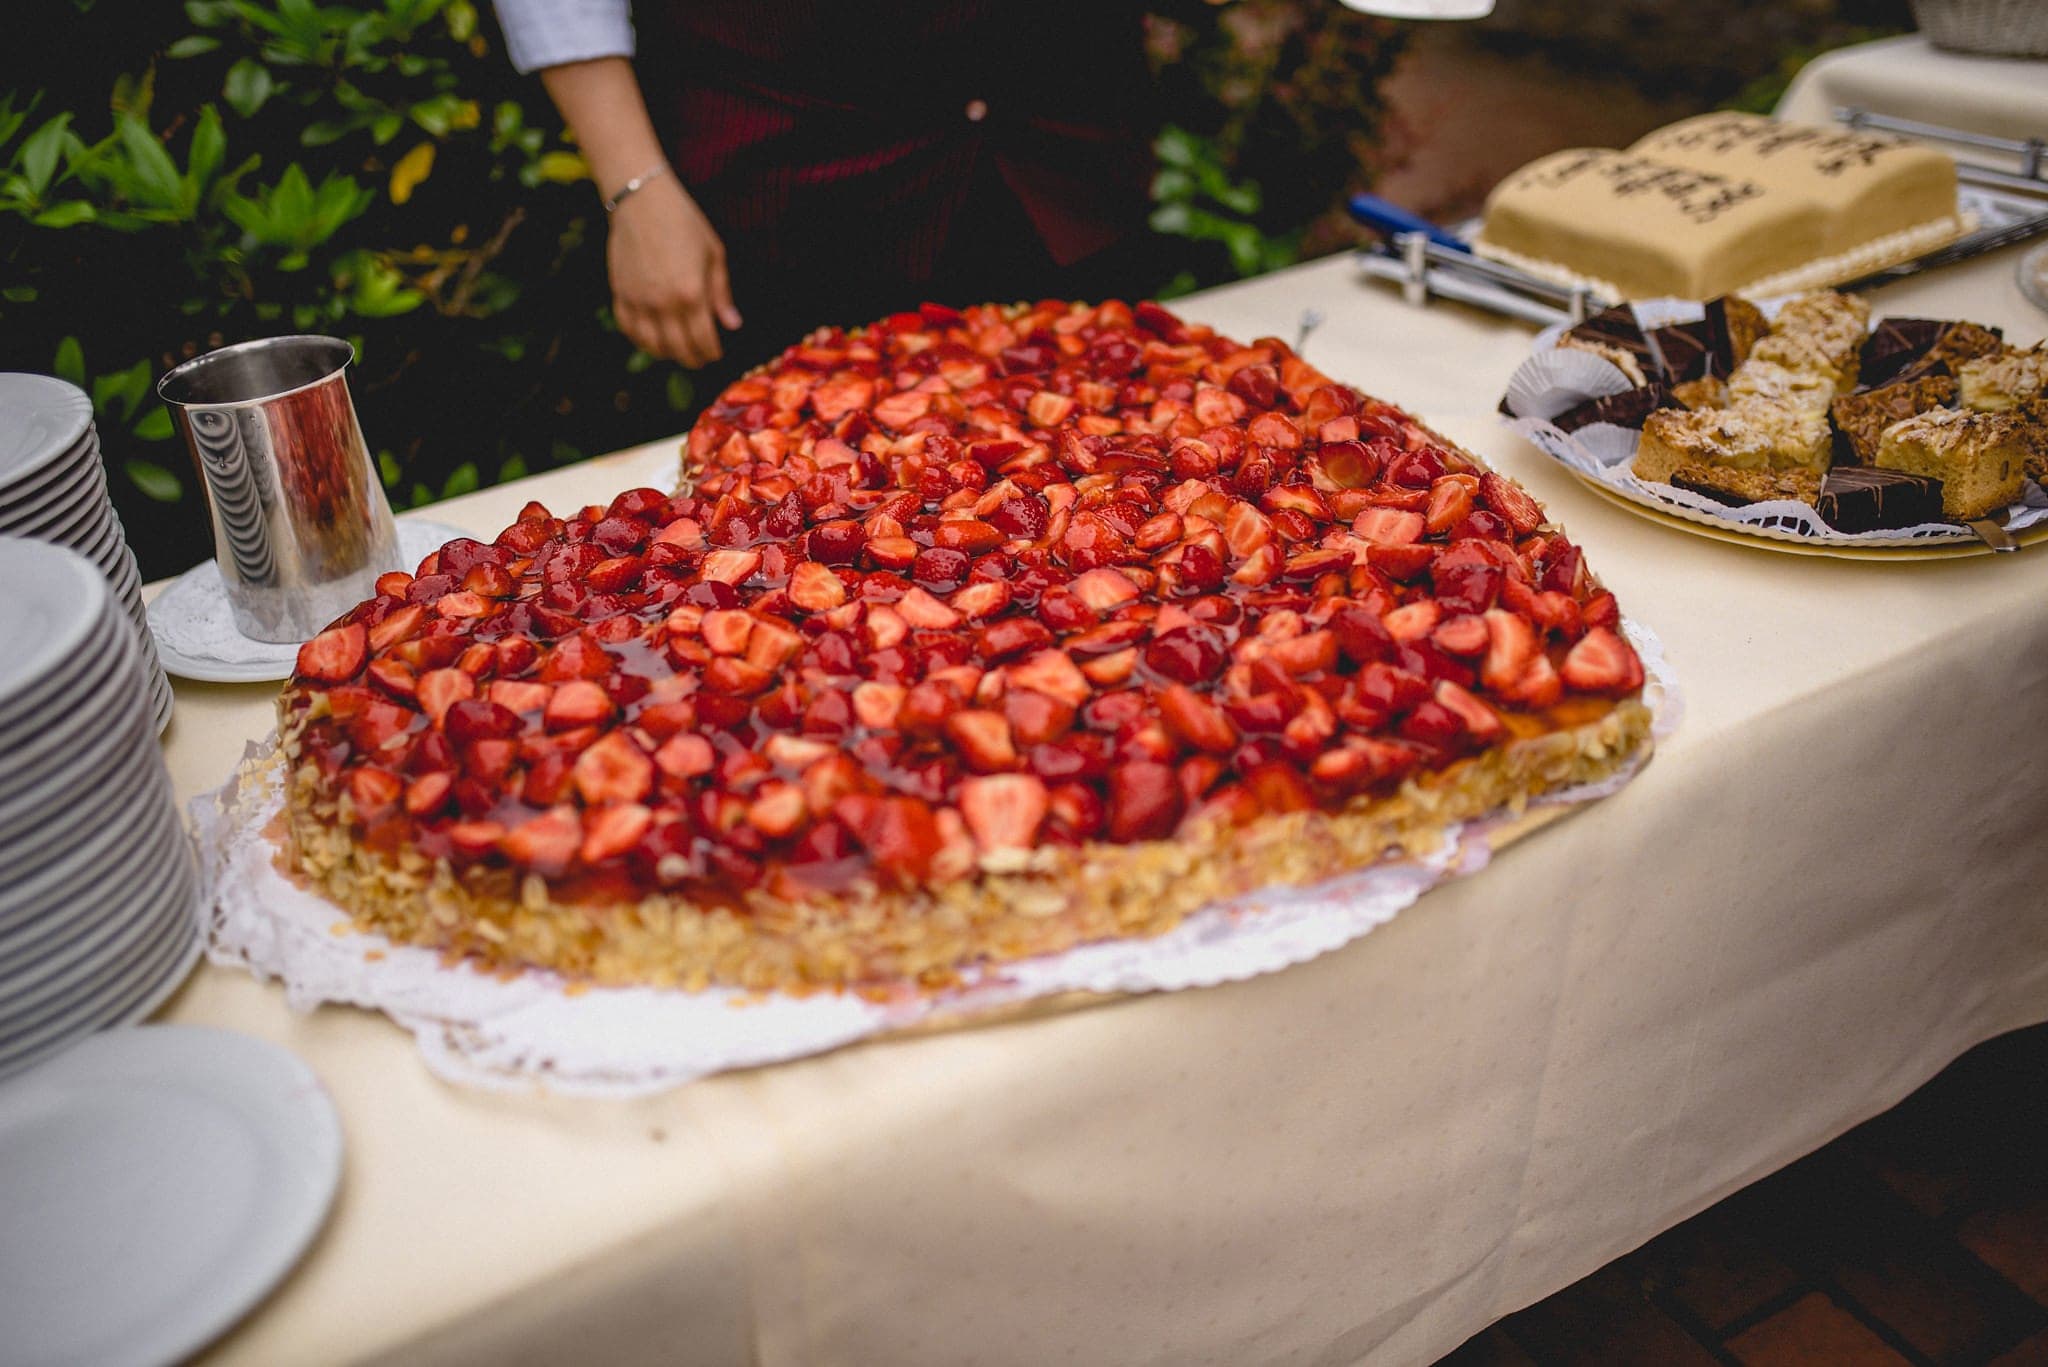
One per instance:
[(99, 893), (53, 488)]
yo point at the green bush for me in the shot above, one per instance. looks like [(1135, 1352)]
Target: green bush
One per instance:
[(377, 171)]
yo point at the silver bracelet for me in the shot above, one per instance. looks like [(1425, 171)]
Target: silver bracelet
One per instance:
[(655, 172)]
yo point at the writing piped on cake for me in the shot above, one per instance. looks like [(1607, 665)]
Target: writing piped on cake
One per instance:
[(1870, 185), (1724, 203), (1643, 227)]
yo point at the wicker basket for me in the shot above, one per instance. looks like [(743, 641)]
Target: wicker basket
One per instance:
[(1994, 28)]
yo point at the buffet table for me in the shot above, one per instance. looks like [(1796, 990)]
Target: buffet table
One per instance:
[(1828, 884), (1910, 78)]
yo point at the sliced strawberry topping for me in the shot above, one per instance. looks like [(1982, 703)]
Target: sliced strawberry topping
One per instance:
[(335, 655), (957, 584), (1603, 663), (1004, 811)]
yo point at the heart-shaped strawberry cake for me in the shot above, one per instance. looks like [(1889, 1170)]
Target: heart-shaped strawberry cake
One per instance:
[(971, 635)]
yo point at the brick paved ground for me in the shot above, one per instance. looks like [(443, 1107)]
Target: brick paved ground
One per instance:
[(1920, 1237)]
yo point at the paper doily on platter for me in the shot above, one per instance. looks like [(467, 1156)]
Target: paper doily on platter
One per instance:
[(195, 629), (1543, 387), (525, 1029)]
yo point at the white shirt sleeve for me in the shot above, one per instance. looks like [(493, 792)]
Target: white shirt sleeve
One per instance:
[(542, 33)]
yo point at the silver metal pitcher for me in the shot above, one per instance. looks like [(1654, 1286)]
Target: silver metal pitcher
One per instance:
[(300, 526)]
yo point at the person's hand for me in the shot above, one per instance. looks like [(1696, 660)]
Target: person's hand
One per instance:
[(669, 287)]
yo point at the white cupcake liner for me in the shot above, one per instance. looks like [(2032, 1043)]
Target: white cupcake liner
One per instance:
[(1552, 381)]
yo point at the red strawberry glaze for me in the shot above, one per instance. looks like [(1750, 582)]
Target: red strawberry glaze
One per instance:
[(958, 584)]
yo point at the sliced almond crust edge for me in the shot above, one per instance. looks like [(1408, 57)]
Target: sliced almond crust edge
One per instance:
[(1041, 902)]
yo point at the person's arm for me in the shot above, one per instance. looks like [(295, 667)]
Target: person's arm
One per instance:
[(669, 285)]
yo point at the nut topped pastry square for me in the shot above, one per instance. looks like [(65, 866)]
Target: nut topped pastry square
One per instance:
[(1980, 458), (972, 635), (2004, 379)]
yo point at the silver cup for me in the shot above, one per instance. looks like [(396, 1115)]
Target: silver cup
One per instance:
[(300, 526)]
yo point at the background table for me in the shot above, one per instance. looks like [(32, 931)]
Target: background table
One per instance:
[(1825, 887), (1910, 78)]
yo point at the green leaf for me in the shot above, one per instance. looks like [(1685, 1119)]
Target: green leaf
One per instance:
[(209, 13), (679, 390), (120, 392), (192, 45), (421, 495), (248, 85), (325, 131), (387, 469), (513, 468), (1172, 219), (463, 479), (155, 425), (38, 154), (438, 114), (65, 215), (134, 94), (209, 147), (70, 362), (1172, 183), (386, 127), (19, 294), (1177, 147), (154, 481)]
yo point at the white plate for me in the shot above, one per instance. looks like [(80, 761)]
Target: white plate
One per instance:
[(111, 783), (76, 723), (59, 501), (157, 1182), (41, 418), (74, 465), (159, 970), (41, 699), (93, 985), (64, 927), (49, 933), (195, 629), (61, 877), (53, 600), (82, 979)]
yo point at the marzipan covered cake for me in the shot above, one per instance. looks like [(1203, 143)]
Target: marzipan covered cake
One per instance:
[(1725, 202), (969, 636)]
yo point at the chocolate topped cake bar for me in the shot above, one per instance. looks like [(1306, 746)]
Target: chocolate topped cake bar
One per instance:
[(1626, 409), (1740, 487), (1894, 344), (1870, 498)]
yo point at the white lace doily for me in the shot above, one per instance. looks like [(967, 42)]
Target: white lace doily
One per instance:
[(527, 1029), (195, 628)]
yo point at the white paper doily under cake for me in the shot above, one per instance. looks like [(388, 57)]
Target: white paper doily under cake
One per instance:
[(534, 1029), (195, 630)]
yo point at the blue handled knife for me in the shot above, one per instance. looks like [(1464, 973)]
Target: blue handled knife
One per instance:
[(1385, 217)]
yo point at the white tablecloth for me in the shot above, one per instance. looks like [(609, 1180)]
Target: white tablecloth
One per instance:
[(1909, 78), (1829, 884)]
